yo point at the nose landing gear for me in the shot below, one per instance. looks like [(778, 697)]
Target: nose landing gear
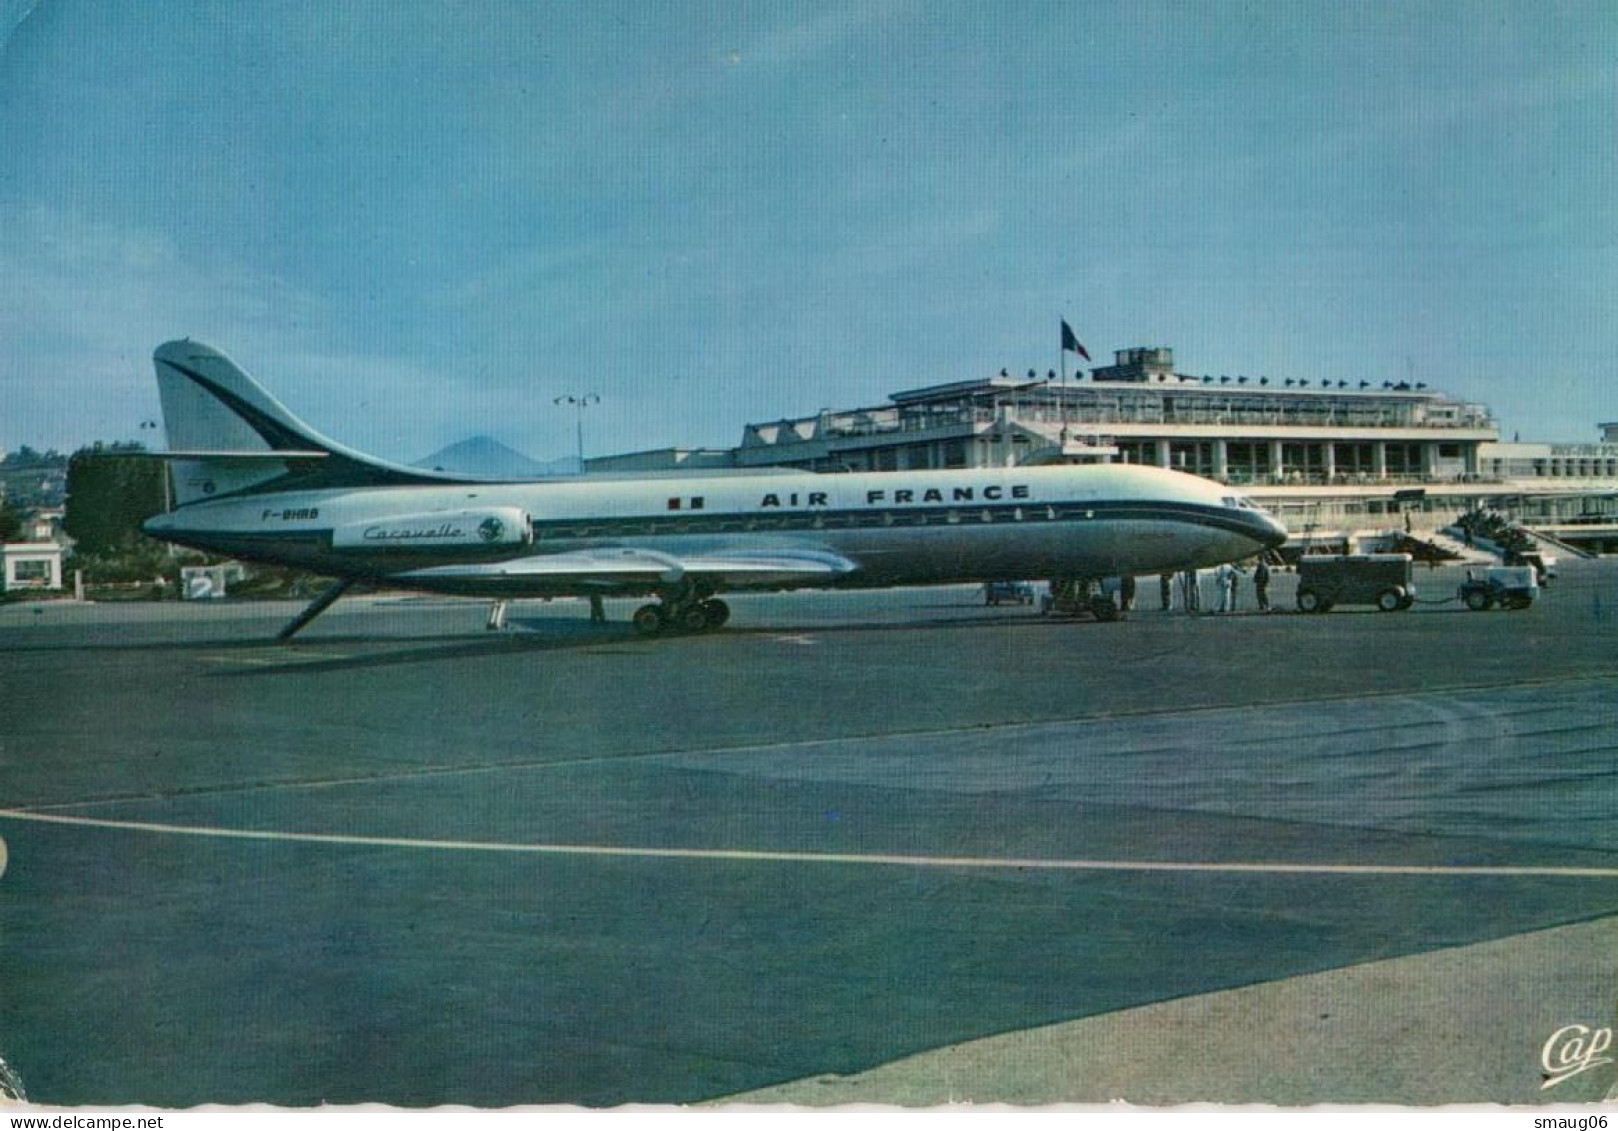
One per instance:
[(1074, 596)]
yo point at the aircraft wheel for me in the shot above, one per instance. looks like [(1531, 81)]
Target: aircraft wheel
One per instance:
[(1478, 600), (1389, 601), (648, 620), (693, 618), (717, 612), (1309, 602)]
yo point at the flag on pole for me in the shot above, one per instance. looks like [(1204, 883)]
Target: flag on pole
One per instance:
[(1069, 342)]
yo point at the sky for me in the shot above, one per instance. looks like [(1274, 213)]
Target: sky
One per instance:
[(421, 220)]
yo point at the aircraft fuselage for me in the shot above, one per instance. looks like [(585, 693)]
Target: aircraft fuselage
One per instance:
[(892, 528)]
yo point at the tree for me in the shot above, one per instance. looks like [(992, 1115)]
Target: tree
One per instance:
[(10, 522), (109, 496)]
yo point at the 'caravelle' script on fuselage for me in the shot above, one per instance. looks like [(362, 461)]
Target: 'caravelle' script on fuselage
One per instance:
[(903, 496), (444, 531)]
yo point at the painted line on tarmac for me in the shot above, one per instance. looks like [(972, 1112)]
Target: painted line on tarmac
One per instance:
[(780, 746), (279, 660), (747, 855)]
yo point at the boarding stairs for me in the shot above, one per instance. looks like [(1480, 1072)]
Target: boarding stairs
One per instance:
[(1551, 542), (1465, 554)]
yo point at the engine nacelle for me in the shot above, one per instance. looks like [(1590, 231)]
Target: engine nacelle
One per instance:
[(492, 528)]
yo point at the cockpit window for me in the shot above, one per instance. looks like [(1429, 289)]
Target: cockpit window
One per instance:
[(1241, 502)]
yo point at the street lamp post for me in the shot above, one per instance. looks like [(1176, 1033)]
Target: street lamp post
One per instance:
[(580, 401)]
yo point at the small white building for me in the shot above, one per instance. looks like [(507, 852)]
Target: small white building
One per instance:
[(30, 565), (209, 583)]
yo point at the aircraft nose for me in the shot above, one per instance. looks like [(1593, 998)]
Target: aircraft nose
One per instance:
[(1268, 531)]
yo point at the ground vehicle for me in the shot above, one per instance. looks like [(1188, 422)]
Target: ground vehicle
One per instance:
[(1544, 564), (1008, 592), (1384, 580), (1510, 587)]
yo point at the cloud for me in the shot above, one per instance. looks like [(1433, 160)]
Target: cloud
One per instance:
[(807, 39), (12, 15), (88, 301)]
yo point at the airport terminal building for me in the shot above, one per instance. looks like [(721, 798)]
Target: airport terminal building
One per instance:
[(1332, 458)]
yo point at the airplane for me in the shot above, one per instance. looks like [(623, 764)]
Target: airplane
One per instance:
[(251, 481)]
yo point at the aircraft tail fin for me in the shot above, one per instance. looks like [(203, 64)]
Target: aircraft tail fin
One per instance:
[(227, 435)]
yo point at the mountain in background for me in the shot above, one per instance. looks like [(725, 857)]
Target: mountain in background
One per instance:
[(487, 457)]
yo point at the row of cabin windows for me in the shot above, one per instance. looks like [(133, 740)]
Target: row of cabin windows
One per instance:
[(802, 520)]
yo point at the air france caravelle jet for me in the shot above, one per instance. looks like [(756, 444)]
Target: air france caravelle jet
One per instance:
[(252, 481)]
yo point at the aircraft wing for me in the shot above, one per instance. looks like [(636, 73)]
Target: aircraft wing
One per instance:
[(615, 567)]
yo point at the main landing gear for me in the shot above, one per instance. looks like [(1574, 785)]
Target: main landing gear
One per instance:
[(1074, 596), (686, 610)]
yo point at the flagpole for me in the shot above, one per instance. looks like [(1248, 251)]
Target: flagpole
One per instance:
[(1062, 394)]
